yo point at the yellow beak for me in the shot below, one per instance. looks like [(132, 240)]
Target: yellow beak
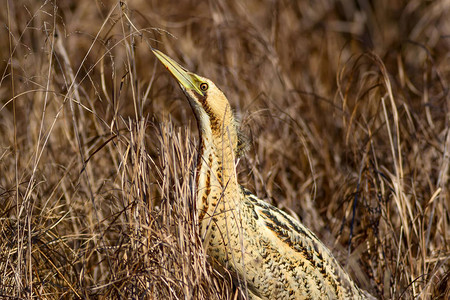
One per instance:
[(186, 79)]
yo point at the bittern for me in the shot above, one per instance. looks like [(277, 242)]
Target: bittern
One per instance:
[(274, 255)]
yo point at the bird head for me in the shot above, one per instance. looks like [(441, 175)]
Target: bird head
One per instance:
[(208, 102)]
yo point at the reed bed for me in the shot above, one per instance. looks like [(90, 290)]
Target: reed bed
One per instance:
[(345, 105)]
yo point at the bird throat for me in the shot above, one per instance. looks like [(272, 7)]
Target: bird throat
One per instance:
[(217, 187)]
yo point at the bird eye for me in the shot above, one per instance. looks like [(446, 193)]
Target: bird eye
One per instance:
[(204, 86)]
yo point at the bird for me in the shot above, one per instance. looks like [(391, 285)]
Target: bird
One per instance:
[(268, 252)]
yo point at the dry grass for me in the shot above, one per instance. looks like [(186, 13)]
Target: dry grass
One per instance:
[(346, 105)]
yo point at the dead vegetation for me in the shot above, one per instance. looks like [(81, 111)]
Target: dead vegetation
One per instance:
[(345, 103)]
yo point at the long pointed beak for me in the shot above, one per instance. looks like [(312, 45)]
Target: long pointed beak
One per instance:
[(184, 77)]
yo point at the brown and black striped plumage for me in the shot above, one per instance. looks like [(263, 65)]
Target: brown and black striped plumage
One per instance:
[(267, 251)]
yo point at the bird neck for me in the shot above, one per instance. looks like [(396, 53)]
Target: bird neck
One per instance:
[(216, 180)]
